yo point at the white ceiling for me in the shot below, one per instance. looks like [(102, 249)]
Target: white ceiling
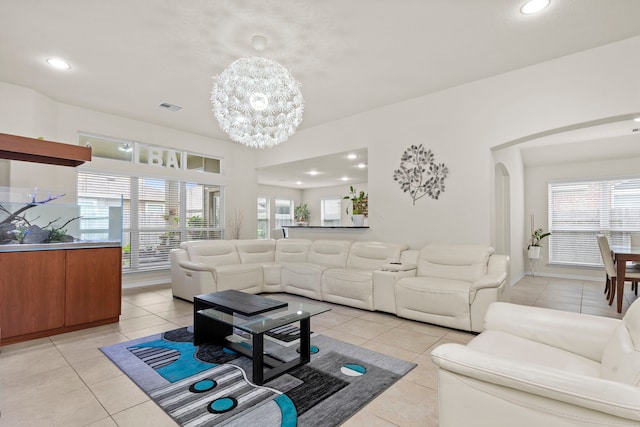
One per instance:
[(351, 56), (330, 171), (616, 140)]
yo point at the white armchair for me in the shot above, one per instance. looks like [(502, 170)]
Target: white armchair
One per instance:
[(540, 367)]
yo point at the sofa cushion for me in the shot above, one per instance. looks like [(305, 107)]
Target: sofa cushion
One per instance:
[(303, 278), (242, 277), (292, 250), (457, 262), (212, 252), (434, 295), (621, 357), (372, 255), (348, 286), (329, 253), (256, 251)]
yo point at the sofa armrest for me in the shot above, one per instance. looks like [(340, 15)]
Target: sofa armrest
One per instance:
[(196, 266), (489, 280), (610, 397), (498, 263), (581, 334)]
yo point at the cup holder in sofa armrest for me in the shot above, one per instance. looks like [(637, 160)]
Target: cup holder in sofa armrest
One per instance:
[(398, 267)]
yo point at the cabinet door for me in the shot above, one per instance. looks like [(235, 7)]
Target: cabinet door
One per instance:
[(31, 292), (94, 285)]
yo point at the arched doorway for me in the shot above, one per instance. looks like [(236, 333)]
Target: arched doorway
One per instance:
[(502, 210)]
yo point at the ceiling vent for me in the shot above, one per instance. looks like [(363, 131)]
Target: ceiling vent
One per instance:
[(170, 107)]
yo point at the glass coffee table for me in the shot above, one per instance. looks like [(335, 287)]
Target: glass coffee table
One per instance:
[(217, 315)]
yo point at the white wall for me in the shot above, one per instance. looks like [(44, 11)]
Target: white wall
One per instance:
[(26, 112), (511, 159), (460, 125), (536, 180)]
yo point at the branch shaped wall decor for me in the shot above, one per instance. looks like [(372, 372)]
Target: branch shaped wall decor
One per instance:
[(419, 174)]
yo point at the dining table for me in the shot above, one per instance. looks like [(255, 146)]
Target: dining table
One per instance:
[(623, 254)]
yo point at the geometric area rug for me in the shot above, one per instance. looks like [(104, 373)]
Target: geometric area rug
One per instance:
[(210, 385)]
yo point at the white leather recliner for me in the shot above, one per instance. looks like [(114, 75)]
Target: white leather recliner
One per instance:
[(536, 367), (353, 284), (453, 285)]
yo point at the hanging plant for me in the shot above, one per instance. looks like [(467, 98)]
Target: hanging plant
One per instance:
[(419, 174)]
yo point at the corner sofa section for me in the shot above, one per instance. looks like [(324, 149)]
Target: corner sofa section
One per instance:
[(448, 285)]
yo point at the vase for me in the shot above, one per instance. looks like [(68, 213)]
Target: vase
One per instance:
[(358, 220), (534, 252)]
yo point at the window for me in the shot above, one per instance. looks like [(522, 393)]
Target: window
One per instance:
[(136, 152), (579, 211), (158, 214), (284, 213), (330, 211), (263, 218), (203, 164)]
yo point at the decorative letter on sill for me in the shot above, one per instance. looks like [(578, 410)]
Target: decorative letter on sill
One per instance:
[(419, 174)]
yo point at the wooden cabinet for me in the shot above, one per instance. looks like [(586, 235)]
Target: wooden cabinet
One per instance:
[(48, 292), (93, 290), (31, 292)]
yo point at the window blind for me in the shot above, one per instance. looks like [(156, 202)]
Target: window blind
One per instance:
[(579, 211), (263, 218), (284, 212), (330, 214), (158, 214)]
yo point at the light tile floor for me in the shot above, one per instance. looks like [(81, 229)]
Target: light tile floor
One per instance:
[(65, 380)]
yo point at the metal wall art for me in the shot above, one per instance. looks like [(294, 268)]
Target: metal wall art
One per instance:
[(419, 174)]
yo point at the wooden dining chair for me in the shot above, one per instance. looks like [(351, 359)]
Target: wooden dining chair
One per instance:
[(631, 275)]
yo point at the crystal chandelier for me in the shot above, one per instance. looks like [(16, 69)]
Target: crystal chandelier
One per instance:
[(257, 102)]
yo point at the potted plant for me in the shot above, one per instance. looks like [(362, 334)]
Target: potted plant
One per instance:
[(360, 203), (302, 214), (537, 234)]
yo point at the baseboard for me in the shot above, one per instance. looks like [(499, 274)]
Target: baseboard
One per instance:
[(565, 276)]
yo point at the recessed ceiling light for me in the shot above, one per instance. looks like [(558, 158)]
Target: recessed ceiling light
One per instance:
[(362, 165), (299, 182), (534, 6), (637, 119), (313, 172), (352, 156), (58, 63), (345, 178)]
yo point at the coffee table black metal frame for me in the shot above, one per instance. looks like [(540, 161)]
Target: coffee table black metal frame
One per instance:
[(216, 315)]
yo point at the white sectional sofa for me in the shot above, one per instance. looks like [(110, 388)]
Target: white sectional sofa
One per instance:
[(449, 285)]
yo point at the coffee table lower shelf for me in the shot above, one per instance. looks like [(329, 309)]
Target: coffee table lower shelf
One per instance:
[(264, 367)]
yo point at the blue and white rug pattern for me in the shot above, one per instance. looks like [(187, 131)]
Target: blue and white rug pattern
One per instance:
[(210, 385)]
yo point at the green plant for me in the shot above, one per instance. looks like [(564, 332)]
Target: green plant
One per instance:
[(301, 212), (56, 234), (195, 221), (537, 236), (359, 200)]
